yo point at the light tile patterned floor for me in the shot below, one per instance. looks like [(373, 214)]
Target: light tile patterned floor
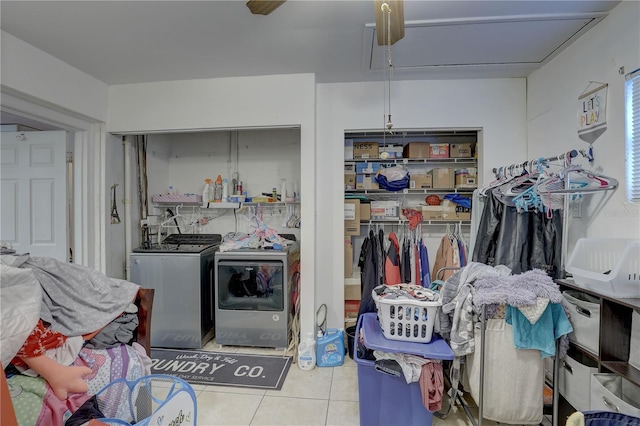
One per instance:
[(322, 396)]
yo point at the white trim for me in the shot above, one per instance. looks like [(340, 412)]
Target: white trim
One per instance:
[(88, 170)]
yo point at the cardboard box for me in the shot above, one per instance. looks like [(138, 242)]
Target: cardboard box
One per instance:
[(365, 212), (365, 150), (348, 258), (352, 292), (368, 167), (466, 178), (348, 149), (439, 150), (420, 181), (351, 308), (446, 211), (463, 213), (416, 150), (443, 178), (349, 181), (460, 150), (466, 181), (433, 212), (367, 181), (385, 209), (351, 217)]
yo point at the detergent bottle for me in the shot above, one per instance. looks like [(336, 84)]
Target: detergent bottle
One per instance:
[(225, 190), (330, 348), (217, 190), (206, 192), (307, 353)]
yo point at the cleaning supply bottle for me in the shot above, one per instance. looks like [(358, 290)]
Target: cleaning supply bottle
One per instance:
[(205, 192), (330, 348), (217, 190), (225, 190), (307, 353)]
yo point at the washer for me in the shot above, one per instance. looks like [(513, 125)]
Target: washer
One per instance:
[(181, 270)]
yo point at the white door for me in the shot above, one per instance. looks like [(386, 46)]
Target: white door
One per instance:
[(33, 193)]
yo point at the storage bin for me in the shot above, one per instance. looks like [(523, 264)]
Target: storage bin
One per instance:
[(608, 265), (156, 399), (584, 311), (406, 319), (634, 343), (385, 399), (610, 392), (574, 381)]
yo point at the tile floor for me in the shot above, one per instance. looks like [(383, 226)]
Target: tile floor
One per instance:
[(322, 396)]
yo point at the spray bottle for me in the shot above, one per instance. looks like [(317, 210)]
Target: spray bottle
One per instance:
[(206, 192)]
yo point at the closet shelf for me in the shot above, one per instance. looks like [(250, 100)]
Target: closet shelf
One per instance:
[(226, 205), (424, 191), (468, 160), (405, 221)]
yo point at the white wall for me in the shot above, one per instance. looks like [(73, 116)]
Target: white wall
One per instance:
[(552, 111), (496, 106), (32, 72), (234, 103), (262, 158)]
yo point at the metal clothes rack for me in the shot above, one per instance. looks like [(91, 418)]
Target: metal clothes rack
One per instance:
[(540, 161), (512, 169)]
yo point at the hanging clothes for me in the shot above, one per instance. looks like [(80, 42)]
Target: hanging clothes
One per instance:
[(392, 262), (406, 260), (424, 265), (519, 240), (380, 253), (368, 273), (444, 259)]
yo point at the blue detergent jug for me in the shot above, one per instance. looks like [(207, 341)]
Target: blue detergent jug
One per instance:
[(330, 348)]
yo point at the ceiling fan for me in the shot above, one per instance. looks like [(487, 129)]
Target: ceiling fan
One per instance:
[(393, 20)]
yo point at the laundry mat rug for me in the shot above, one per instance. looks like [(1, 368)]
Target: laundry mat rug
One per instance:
[(222, 369)]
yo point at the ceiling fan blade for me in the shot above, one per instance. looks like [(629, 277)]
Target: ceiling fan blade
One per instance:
[(263, 7), (397, 21)]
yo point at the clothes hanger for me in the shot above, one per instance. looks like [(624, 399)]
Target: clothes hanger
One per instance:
[(576, 180)]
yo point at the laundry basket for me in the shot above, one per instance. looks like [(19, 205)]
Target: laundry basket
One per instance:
[(155, 400), (407, 319), (610, 266)]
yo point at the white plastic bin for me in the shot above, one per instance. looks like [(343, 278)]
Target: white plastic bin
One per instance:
[(634, 341), (610, 266), (610, 392), (584, 315)]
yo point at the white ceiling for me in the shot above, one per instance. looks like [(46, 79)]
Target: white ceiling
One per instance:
[(121, 42)]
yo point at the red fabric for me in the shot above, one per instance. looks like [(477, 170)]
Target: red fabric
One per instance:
[(392, 270), (39, 341), (432, 386)]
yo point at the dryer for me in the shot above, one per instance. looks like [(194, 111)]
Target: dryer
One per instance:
[(254, 291)]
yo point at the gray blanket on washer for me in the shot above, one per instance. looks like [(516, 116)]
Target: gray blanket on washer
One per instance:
[(75, 299)]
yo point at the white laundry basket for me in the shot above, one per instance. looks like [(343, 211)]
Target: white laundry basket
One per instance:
[(610, 266), (406, 319)]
